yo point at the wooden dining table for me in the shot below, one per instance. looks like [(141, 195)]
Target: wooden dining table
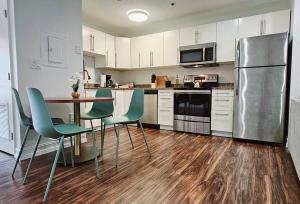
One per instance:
[(82, 152)]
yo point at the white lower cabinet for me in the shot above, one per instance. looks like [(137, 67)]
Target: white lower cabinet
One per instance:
[(88, 106), (166, 109), (222, 113)]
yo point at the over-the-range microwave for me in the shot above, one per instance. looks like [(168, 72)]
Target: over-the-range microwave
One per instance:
[(193, 56)]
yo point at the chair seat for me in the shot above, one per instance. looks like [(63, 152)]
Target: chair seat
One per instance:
[(70, 129), (92, 115), (119, 119)]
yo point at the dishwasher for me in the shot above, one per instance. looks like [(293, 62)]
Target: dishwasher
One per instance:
[(150, 118)]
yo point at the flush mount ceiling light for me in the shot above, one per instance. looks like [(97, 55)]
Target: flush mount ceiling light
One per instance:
[(138, 15)]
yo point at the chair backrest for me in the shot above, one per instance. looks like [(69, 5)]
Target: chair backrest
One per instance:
[(106, 107), (41, 119), (23, 118), (136, 107)]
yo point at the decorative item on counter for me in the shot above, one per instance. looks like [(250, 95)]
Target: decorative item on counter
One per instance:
[(131, 85), (177, 83), (153, 81), (75, 81), (160, 81)]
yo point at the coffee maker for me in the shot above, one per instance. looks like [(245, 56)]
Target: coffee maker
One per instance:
[(109, 82)]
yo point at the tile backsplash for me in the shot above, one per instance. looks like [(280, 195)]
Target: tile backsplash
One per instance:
[(143, 76)]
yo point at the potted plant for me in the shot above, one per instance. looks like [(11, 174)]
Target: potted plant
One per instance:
[(75, 81)]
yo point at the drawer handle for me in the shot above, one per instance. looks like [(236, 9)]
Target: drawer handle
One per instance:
[(222, 100), (222, 114), (165, 98), (165, 110)]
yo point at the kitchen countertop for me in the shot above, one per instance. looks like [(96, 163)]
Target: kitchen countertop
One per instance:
[(222, 86)]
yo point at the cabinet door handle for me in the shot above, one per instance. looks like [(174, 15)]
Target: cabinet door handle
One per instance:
[(139, 59), (178, 55), (261, 27), (222, 100), (116, 65), (91, 42), (165, 98), (152, 59), (165, 110), (196, 37), (222, 114), (107, 58)]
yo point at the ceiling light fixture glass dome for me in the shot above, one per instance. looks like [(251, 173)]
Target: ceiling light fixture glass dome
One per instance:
[(138, 15)]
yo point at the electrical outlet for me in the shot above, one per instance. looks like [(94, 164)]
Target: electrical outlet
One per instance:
[(36, 64), (77, 49)]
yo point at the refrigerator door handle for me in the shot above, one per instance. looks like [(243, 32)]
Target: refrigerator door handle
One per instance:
[(237, 67)]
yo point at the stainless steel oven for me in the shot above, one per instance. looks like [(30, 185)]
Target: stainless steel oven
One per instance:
[(196, 55), (192, 111)]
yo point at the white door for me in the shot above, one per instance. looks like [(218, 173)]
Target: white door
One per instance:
[(123, 52), (135, 52), (98, 42), (171, 46), (86, 39), (227, 32), (188, 36), (156, 43), (276, 22), (250, 26), (110, 50), (6, 139), (206, 33)]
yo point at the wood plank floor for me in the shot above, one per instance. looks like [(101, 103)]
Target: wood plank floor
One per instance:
[(184, 168)]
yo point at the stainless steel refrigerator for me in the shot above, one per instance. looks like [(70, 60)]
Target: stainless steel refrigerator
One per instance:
[(260, 88)]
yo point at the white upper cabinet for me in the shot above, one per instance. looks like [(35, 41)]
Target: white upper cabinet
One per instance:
[(196, 35), (250, 26), (93, 41), (187, 36), (156, 48), (110, 50), (265, 24), (276, 22), (135, 52), (206, 33), (171, 48), (227, 32), (123, 52), (98, 42)]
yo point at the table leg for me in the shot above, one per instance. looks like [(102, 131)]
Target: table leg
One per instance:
[(77, 142)]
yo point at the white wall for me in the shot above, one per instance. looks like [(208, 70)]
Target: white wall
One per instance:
[(294, 139), (32, 19)]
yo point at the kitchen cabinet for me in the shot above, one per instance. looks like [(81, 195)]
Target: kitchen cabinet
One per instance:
[(227, 32), (276, 22), (166, 109), (199, 34), (265, 24), (110, 50), (187, 36), (250, 26), (171, 48), (93, 41), (222, 113), (147, 50), (122, 52)]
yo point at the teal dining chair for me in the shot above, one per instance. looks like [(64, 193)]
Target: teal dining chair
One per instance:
[(101, 110), (26, 122), (133, 116), (44, 127)]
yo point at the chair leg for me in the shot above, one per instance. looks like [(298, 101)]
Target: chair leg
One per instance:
[(71, 151), (53, 168), (102, 137), (92, 124), (21, 150), (63, 153), (95, 153), (30, 163), (117, 130), (145, 139), (129, 136)]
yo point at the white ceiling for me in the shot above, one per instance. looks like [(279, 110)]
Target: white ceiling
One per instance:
[(111, 14)]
